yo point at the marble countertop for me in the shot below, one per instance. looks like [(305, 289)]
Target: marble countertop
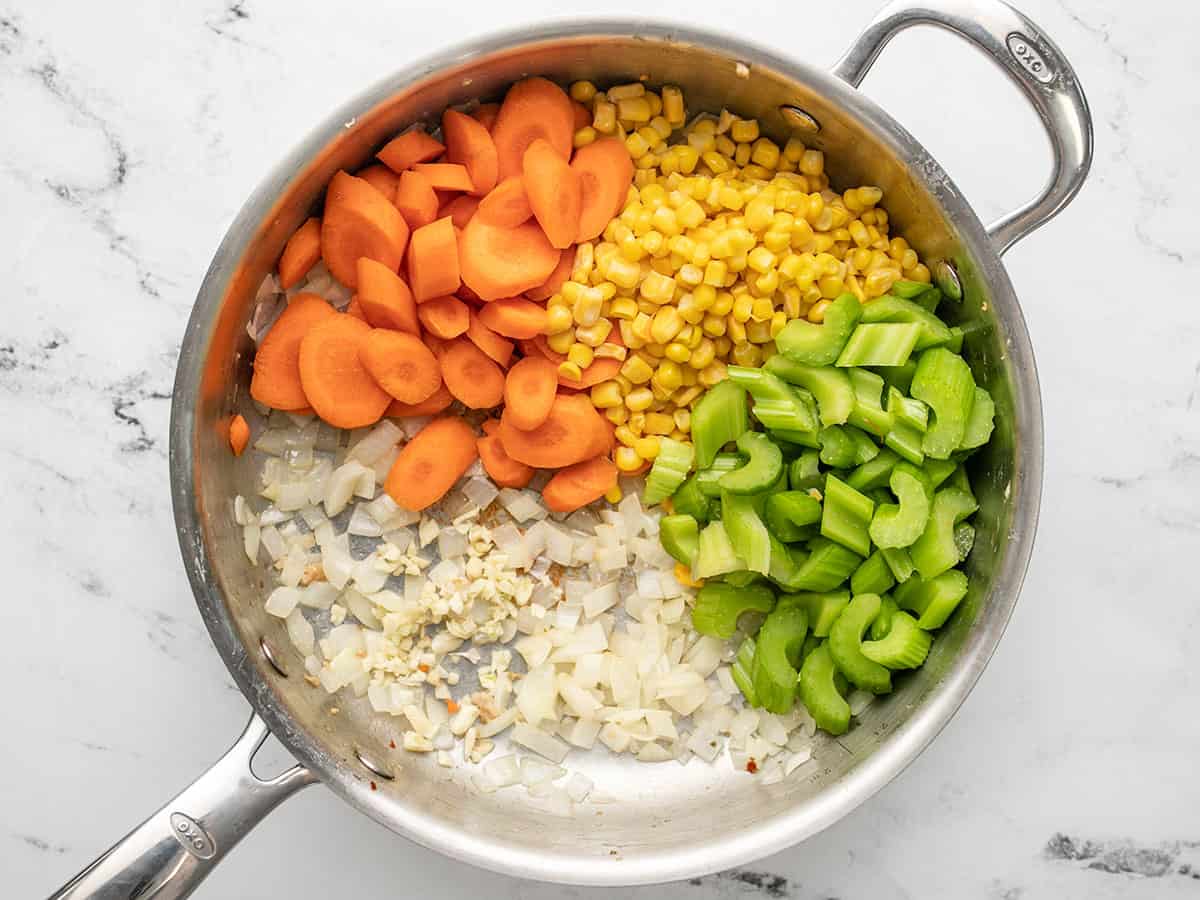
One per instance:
[(133, 132)]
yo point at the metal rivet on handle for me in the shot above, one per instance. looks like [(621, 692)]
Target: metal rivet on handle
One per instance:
[(946, 278), (799, 119), (373, 766), (269, 654)]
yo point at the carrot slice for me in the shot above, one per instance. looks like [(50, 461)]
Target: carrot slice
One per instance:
[(562, 272), (446, 176), (604, 369), (490, 426), (544, 348), (529, 392), (502, 468), (568, 436), (385, 299), (401, 365), (470, 144), (354, 308), (431, 463), (445, 317), (337, 384), (436, 344), (605, 173), (580, 484), (276, 379), (554, 193), (408, 149), (507, 205), (533, 108), (239, 437), (415, 199), (514, 317), (486, 114), (379, 177), (489, 342), (471, 375), (583, 115), (460, 210), (359, 221), (504, 262), (437, 402), (433, 260), (300, 254)]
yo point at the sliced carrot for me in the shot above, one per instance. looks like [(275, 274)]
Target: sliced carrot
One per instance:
[(416, 199), (460, 210), (580, 484), (502, 468), (467, 295), (605, 173), (433, 260), (504, 262), (533, 108), (239, 436), (548, 288), (438, 401), (401, 364), (583, 115), (485, 114), (496, 347), (554, 193), (529, 392), (603, 369), (605, 438), (445, 317), (385, 299), (568, 436), (544, 348), (354, 308), (431, 463), (490, 426), (300, 254), (436, 344), (359, 221), (471, 375), (470, 144), (379, 177), (446, 176), (408, 149), (337, 384), (507, 205), (514, 317), (276, 379)]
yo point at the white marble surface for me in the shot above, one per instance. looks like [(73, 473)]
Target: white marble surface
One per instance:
[(132, 133)]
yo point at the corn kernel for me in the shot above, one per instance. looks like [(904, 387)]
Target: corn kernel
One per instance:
[(713, 325), (817, 313), (626, 434), (703, 354), (636, 145), (793, 150), (667, 376), (758, 332), (741, 154), (659, 423), (715, 272), (584, 136), (618, 415), (657, 287), (778, 320), (558, 319), (594, 335), (604, 117), (746, 354), (611, 351), (647, 447), (626, 91), (561, 342), (743, 306), (717, 163), (623, 308), (677, 352), (744, 130), (606, 395), (683, 420), (667, 323), (587, 308), (631, 109), (637, 424), (637, 370), (639, 399), (583, 91), (713, 374), (627, 459), (571, 371), (812, 162), (672, 101), (613, 494), (761, 309)]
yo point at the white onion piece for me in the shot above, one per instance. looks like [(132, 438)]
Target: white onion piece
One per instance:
[(535, 771), (363, 524), (578, 786), (480, 491), (452, 543), (318, 595), (521, 505), (382, 438), (250, 538), (412, 425), (342, 485), (539, 742), (282, 601), (301, 632), (360, 607), (503, 772), (498, 724), (536, 694)]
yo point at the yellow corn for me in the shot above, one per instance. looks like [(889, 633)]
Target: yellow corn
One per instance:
[(683, 419), (677, 352), (659, 423), (583, 91), (604, 117), (667, 323), (581, 355), (627, 459), (632, 109), (672, 104), (618, 415), (613, 494), (594, 335), (606, 395), (712, 374), (637, 370), (626, 91), (561, 342), (558, 319), (743, 307), (667, 376), (611, 351), (584, 136), (571, 371)]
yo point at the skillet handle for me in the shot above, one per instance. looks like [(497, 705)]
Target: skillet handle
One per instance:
[(1031, 60), (169, 854)]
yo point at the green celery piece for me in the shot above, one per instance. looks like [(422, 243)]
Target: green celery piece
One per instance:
[(959, 479), (880, 344), (845, 515), (829, 386), (845, 646), (801, 440), (746, 531), (908, 442), (899, 525), (804, 473), (929, 300), (819, 345), (964, 539), (944, 382), (822, 608), (742, 578), (777, 404), (883, 622), (865, 449), (742, 669), (910, 290), (789, 513), (900, 562), (981, 421), (934, 332), (715, 554), (777, 658), (938, 470), (933, 600), (669, 471), (764, 464), (819, 692), (868, 412), (837, 448), (811, 643), (689, 500), (827, 566), (720, 605), (680, 537), (955, 344), (708, 480), (934, 551), (873, 576), (721, 416), (875, 472), (904, 647), (899, 377), (907, 411), (785, 564)]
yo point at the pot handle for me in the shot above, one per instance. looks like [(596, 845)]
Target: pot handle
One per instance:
[(1030, 59), (169, 854)]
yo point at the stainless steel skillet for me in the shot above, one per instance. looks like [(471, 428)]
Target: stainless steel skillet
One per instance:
[(671, 822)]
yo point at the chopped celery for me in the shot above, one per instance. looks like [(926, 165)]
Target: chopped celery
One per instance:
[(955, 343), (719, 606), (777, 657), (980, 422), (715, 554), (899, 525), (819, 692), (746, 531), (822, 608), (742, 578), (874, 473), (829, 386), (789, 513), (845, 515), (827, 566), (929, 300), (880, 344), (907, 411), (680, 537), (837, 449), (742, 669), (906, 441), (708, 480), (934, 332), (900, 562), (868, 412), (904, 647), (964, 539), (798, 439), (934, 551), (933, 600), (910, 290), (819, 345), (721, 416), (764, 464), (944, 382), (845, 646), (938, 470), (959, 479), (777, 404), (669, 471), (883, 622), (691, 501), (899, 377), (804, 473), (873, 576)]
